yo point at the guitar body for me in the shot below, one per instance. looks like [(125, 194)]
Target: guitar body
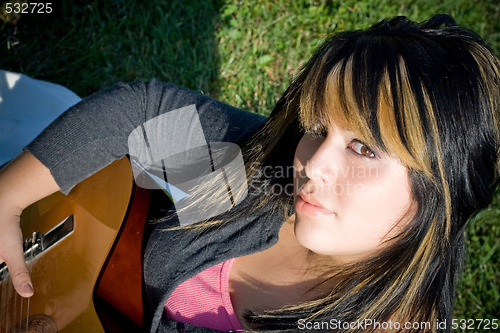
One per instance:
[(65, 275)]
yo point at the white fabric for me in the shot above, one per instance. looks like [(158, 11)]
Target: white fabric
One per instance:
[(27, 106)]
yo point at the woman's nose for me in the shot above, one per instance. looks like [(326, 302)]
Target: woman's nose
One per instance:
[(324, 165)]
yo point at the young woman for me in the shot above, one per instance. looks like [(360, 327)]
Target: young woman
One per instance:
[(358, 187)]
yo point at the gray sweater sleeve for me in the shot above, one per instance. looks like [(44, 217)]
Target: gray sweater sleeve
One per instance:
[(94, 132)]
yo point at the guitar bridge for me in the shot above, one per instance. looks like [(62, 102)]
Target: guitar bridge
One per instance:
[(38, 242)]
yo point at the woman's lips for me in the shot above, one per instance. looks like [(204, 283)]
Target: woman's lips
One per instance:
[(310, 207)]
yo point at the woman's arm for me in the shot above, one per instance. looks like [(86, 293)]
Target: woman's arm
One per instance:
[(91, 135), (22, 182), (95, 132)]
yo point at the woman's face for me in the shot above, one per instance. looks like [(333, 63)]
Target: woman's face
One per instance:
[(349, 198)]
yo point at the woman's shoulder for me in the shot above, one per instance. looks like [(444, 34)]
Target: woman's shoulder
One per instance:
[(220, 121)]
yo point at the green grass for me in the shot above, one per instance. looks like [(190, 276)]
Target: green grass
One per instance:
[(242, 52)]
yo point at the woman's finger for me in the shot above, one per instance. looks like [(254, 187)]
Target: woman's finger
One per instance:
[(12, 254)]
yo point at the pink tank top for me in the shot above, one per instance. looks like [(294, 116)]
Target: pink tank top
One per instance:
[(204, 300)]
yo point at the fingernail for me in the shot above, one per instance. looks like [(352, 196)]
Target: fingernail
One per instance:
[(27, 289)]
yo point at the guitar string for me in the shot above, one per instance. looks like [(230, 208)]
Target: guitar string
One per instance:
[(21, 314), (8, 314), (15, 303), (4, 299), (8, 311), (30, 270), (3, 303)]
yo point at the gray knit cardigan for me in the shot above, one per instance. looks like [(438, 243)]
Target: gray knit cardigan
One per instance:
[(94, 133)]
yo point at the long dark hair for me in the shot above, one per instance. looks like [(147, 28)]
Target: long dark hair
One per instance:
[(428, 94)]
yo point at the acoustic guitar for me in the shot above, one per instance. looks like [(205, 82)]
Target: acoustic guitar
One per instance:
[(84, 254)]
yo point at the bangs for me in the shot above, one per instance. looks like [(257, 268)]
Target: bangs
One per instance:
[(380, 108)]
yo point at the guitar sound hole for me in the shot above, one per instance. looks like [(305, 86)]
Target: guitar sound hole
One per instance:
[(36, 324)]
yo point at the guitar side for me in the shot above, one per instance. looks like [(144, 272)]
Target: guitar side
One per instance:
[(64, 276)]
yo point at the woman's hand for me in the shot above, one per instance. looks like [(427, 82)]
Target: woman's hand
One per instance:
[(23, 181), (11, 252)]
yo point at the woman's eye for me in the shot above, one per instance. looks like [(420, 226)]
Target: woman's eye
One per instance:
[(361, 149)]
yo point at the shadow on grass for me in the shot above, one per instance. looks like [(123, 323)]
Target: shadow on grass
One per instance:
[(88, 45)]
